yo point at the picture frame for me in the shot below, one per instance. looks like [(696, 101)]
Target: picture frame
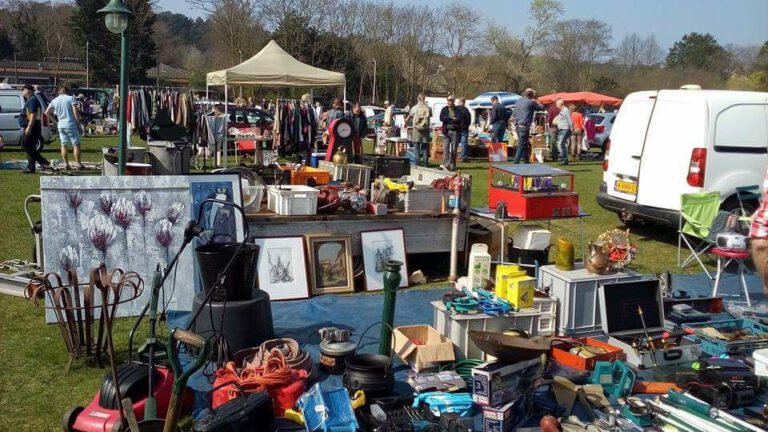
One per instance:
[(223, 186), (282, 267), (379, 246), (330, 264)]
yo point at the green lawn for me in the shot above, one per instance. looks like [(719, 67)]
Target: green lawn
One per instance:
[(34, 387)]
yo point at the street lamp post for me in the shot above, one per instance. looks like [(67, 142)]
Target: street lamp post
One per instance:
[(87, 65), (15, 65), (116, 17), (373, 96)]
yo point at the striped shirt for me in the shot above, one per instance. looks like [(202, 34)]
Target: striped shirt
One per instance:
[(760, 217)]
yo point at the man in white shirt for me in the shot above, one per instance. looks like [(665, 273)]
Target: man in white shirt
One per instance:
[(68, 124)]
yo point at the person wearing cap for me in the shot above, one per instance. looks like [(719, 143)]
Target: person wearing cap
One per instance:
[(31, 124), (452, 126), (524, 109), (68, 124)]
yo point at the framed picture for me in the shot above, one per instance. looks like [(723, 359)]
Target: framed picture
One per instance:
[(379, 247), (129, 222), (330, 264), (221, 224), (282, 267)]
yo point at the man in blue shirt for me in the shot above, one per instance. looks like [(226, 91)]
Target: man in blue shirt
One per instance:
[(31, 124), (498, 120), (524, 109), (66, 111)]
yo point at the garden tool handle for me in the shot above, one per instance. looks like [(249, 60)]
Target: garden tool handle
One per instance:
[(188, 338)]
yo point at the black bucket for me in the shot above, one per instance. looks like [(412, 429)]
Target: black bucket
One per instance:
[(371, 373), (239, 281), (529, 257)]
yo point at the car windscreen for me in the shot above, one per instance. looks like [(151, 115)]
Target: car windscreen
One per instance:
[(597, 118)]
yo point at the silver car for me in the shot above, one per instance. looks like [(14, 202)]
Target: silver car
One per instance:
[(11, 103), (603, 125)]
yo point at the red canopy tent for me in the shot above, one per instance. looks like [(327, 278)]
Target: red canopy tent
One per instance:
[(589, 98)]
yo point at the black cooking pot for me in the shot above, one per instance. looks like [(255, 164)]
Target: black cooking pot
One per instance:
[(371, 373)]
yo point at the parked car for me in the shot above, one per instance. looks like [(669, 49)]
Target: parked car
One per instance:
[(249, 118), (603, 125), (377, 121), (11, 103), (670, 142)]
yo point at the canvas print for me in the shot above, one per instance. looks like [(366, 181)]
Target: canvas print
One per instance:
[(132, 223), (330, 264), (282, 268), (378, 248), (222, 224)]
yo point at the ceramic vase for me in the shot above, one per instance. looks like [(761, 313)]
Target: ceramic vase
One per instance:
[(596, 262)]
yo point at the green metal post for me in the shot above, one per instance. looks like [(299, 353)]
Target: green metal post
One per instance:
[(391, 283), (123, 121)]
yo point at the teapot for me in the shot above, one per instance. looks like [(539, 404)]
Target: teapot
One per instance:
[(340, 157)]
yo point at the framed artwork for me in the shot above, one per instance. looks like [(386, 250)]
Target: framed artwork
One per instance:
[(129, 222), (330, 264), (379, 247), (282, 267), (221, 224)]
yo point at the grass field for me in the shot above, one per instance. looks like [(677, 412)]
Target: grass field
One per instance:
[(34, 387)]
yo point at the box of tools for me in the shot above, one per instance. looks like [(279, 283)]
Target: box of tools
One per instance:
[(633, 318), (495, 384), (509, 416)]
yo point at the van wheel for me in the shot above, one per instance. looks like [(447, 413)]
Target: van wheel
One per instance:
[(731, 205)]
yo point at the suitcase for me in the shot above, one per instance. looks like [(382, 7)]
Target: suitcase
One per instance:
[(251, 413)]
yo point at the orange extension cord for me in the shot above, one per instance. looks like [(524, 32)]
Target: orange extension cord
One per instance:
[(275, 374)]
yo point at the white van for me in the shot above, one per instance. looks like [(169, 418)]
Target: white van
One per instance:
[(669, 142), (11, 102)]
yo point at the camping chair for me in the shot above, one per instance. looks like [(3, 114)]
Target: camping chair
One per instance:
[(698, 212), (748, 193)]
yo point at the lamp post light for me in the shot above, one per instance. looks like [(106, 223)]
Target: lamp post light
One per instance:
[(116, 17), (87, 65), (373, 95)]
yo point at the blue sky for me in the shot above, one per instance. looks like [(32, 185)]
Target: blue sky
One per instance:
[(743, 22)]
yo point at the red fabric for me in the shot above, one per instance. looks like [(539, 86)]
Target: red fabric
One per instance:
[(284, 394), (552, 112), (589, 129), (589, 98), (578, 120), (730, 254)]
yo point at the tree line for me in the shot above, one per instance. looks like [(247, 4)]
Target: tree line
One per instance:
[(404, 49)]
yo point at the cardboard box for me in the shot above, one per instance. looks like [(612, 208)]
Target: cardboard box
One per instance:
[(495, 384), (507, 417), (422, 347)]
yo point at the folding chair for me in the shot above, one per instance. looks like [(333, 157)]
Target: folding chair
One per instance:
[(698, 212), (748, 193)]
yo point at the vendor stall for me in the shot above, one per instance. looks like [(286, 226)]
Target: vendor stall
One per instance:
[(273, 67)]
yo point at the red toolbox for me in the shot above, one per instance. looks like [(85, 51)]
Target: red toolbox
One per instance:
[(561, 353)]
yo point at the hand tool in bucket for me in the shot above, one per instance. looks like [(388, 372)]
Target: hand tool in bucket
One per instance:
[(371, 373), (191, 341)]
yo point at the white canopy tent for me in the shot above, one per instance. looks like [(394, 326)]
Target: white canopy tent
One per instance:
[(273, 67)]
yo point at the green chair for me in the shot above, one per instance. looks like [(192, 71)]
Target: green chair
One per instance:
[(698, 214)]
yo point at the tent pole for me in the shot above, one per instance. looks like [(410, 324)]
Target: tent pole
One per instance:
[(344, 102), (206, 91), (226, 123)]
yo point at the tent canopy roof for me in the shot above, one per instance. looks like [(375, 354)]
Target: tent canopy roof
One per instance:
[(483, 100), (272, 66), (589, 98)]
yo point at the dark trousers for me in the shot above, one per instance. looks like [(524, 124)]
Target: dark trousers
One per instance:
[(497, 132), (523, 144), (29, 144), (450, 144)]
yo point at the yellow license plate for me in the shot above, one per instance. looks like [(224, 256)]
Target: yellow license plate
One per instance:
[(626, 187)]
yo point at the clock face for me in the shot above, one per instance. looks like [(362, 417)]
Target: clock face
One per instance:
[(344, 130)]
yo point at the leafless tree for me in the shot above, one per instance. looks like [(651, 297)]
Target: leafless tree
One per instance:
[(651, 54), (460, 38), (233, 20), (576, 47)]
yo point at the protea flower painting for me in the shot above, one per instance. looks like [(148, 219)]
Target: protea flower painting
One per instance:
[(164, 235), (106, 202), (174, 212), (69, 259), (101, 232)]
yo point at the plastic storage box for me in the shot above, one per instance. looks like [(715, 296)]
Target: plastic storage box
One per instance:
[(561, 354), (292, 200), (388, 166), (717, 347), (577, 291), (307, 174), (456, 327), (423, 198), (315, 159), (355, 174)]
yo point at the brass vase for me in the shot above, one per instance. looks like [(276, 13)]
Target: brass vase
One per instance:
[(340, 157), (596, 262)]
